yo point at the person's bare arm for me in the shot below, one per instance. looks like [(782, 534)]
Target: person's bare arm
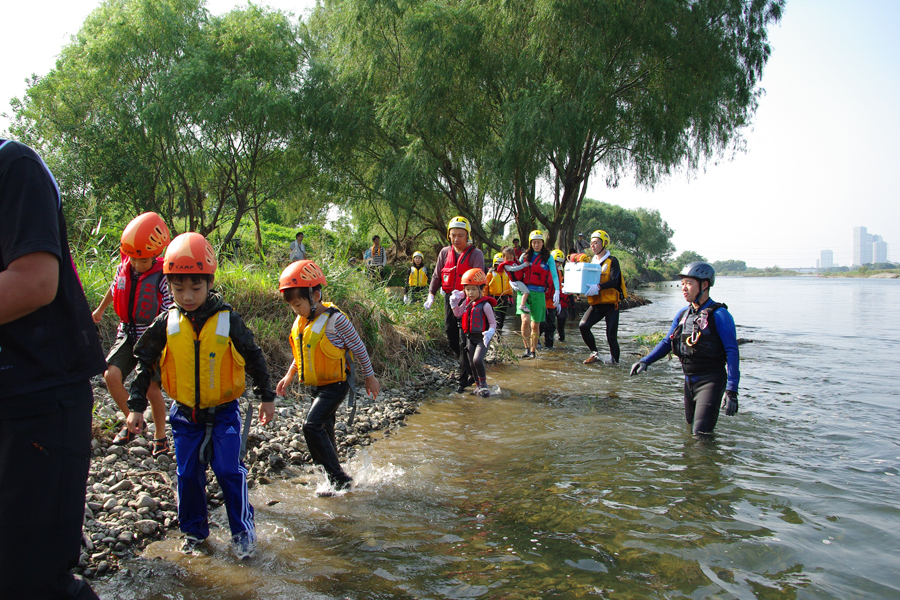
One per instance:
[(27, 284)]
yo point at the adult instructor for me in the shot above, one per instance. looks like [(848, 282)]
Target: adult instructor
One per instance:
[(49, 351), (541, 277), (452, 262), (603, 299), (703, 336)]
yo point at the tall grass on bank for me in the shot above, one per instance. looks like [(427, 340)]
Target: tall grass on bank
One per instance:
[(396, 335)]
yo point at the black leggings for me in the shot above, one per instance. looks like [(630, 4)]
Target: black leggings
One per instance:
[(591, 317), (472, 360), (318, 429), (702, 399)]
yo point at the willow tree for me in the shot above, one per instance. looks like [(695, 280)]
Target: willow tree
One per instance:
[(616, 88), (166, 108)]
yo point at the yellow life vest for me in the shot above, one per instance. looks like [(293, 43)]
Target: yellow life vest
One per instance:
[(418, 276), (318, 361), (498, 284), (205, 370), (610, 295)]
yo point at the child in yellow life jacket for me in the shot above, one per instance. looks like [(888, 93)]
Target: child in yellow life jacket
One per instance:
[(417, 282), (323, 342), (138, 294), (499, 288), (204, 350), (478, 325)]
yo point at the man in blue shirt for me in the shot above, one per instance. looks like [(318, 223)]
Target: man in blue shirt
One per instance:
[(703, 336)]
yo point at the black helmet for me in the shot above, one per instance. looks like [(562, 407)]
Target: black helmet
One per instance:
[(701, 271)]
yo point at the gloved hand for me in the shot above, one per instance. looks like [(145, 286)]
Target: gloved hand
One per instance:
[(556, 299), (488, 335), (443, 293), (456, 298), (593, 290), (405, 299), (730, 403), (638, 367), (429, 301)]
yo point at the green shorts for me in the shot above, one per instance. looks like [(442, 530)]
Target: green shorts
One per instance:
[(537, 302), (121, 356)]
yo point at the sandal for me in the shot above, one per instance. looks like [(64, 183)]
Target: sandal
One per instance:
[(124, 436), (159, 446)]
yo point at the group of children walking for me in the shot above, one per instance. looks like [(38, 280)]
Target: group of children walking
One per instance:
[(179, 335)]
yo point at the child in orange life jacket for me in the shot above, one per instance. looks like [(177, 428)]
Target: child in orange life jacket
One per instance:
[(417, 282), (138, 294), (323, 342), (498, 287), (511, 266), (478, 325), (204, 351)]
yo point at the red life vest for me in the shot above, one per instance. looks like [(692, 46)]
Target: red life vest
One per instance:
[(537, 273), (474, 321), (138, 301), (452, 273)]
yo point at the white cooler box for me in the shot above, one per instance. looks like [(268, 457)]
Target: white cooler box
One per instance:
[(578, 276)]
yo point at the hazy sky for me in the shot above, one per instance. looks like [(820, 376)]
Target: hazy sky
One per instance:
[(821, 157)]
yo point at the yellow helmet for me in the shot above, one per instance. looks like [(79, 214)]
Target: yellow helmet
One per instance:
[(459, 223), (419, 254), (558, 255), (604, 237), (498, 258), (537, 234)]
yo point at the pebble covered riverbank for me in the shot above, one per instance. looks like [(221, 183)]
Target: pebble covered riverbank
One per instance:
[(130, 496)]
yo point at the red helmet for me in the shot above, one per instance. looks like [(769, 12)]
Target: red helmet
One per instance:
[(190, 254), (145, 237), (473, 277), (301, 274)]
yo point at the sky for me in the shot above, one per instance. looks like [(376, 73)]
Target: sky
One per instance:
[(822, 154)]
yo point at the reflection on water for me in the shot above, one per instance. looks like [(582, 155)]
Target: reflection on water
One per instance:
[(582, 482)]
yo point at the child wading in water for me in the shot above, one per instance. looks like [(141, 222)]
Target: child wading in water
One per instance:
[(324, 343), (139, 294), (478, 325), (205, 353)]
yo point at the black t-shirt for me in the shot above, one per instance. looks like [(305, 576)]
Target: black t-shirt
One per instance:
[(57, 344)]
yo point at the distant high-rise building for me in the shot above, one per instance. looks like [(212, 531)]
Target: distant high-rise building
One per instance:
[(862, 246), (879, 250), (826, 261)]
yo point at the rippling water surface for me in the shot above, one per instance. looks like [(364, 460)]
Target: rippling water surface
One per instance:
[(583, 482)]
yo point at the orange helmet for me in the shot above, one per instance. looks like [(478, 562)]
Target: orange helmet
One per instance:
[(301, 274), (474, 277), (145, 237), (190, 254)]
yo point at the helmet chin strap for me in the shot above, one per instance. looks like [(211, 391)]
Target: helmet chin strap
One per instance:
[(312, 304)]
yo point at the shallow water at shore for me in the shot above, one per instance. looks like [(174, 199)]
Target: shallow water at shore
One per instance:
[(582, 482)]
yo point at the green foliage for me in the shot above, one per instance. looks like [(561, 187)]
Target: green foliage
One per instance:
[(647, 342), (729, 267)]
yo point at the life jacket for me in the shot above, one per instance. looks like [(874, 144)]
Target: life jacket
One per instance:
[(609, 295), (538, 273), (697, 343), (474, 320), (452, 273), (318, 361), (499, 284), (137, 302), (418, 276), (201, 370)]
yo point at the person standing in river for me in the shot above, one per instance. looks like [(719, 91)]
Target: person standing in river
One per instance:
[(703, 336), (604, 300), (452, 263)]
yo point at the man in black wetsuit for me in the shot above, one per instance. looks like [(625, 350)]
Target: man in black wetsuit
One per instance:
[(703, 336), (604, 300)]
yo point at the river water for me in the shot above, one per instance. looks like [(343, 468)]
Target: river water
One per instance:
[(583, 482)]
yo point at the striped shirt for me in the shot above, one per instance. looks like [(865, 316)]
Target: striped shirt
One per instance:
[(164, 305)]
